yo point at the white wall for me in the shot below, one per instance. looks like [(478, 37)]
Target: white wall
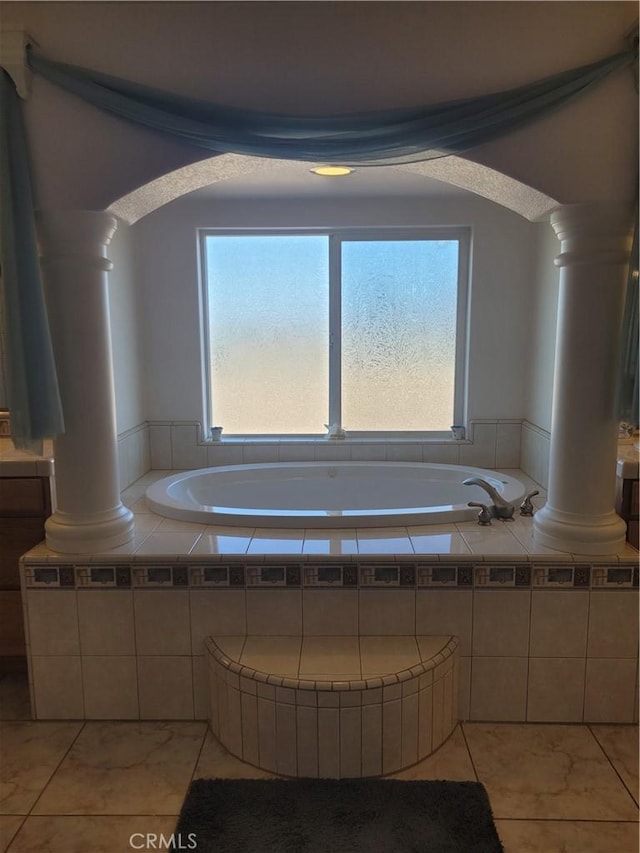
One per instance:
[(125, 331), (544, 310), (502, 277)]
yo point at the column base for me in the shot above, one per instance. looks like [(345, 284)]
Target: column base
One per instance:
[(579, 534), (69, 534)]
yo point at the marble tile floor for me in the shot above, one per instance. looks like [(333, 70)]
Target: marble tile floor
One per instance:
[(74, 787)]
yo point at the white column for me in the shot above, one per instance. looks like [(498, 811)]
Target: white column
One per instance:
[(89, 516), (579, 516)]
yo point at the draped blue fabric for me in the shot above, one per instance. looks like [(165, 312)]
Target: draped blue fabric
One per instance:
[(382, 137), (628, 407), (365, 139), (32, 386)]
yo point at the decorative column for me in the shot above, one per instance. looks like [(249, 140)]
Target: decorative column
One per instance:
[(595, 246), (89, 516)]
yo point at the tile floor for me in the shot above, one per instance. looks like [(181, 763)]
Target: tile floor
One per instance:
[(74, 787)]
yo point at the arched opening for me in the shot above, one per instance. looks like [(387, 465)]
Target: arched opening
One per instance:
[(456, 171)]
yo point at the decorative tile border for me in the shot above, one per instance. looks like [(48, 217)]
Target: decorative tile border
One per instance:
[(245, 574)]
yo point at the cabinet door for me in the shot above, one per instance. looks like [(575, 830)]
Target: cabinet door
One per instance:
[(24, 496), (17, 535)]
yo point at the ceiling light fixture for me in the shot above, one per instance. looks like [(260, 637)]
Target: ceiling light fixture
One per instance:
[(332, 171)]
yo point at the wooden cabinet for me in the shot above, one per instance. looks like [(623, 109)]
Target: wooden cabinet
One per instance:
[(25, 503)]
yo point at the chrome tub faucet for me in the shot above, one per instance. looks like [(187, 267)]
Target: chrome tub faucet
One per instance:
[(499, 508)]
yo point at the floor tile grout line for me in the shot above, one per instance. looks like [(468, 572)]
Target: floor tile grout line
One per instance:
[(615, 769), (567, 820), (466, 743), (57, 768), (15, 834), (199, 756)]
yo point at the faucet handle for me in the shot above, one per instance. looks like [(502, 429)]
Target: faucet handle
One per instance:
[(526, 507), (484, 516)]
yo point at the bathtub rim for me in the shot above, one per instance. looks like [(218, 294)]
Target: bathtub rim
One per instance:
[(162, 504)]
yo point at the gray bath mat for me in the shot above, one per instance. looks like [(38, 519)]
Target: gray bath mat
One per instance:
[(337, 816)]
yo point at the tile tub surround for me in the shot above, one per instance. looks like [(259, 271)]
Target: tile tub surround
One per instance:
[(332, 706), (489, 443), (538, 641)]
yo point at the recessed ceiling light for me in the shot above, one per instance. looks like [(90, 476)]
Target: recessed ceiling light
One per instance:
[(332, 171)]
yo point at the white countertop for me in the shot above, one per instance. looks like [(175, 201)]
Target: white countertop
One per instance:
[(628, 461), (19, 463)]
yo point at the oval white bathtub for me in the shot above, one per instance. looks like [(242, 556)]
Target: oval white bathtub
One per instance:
[(327, 494)]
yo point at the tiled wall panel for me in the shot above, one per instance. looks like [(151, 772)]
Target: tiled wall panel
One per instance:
[(561, 647), (181, 445)]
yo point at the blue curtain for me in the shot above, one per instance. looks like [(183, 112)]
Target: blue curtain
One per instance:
[(628, 385), (366, 139), (32, 386)]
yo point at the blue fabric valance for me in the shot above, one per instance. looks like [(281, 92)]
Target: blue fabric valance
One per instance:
[(374, 138)]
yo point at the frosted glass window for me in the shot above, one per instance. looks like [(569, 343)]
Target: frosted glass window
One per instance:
[(362, 329), (268, 310), (398, 334)]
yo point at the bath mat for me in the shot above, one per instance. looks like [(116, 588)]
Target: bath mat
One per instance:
[(337, 816)]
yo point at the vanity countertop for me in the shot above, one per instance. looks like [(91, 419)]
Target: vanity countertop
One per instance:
[(19, 463), (628, 460)]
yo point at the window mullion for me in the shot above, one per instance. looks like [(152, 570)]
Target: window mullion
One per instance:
[(335, 331)]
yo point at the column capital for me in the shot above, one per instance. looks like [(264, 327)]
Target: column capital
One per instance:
[(75, 232), (594, 233)]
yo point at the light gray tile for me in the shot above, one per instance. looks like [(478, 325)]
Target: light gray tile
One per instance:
[(350, 742), (106, 622), (508, 445), (559, 623), (162, 622), (328, 743), (585, 836), (330, 612), (125, 768), (275, 612), (53, 622), (613, 624), (165, 687), (371, 740), (501, 622), (546, 771), (97, 833), (498, 688), (31, 752), (556, 690), (387, 611), (57, 687), (444, 611), (307, 741), (610, 690), (186, 453), (391, 736), (216, 611), (110, 688), (160, 446)]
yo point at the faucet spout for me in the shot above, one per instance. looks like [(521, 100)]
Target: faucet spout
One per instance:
[(501, 508)]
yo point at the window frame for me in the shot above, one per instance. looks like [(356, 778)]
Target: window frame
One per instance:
[(336, 236)]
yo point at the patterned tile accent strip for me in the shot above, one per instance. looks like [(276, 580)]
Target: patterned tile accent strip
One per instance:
[(613, 577), (332, 573)]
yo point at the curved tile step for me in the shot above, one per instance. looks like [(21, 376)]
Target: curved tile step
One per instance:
[(333, 706)]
